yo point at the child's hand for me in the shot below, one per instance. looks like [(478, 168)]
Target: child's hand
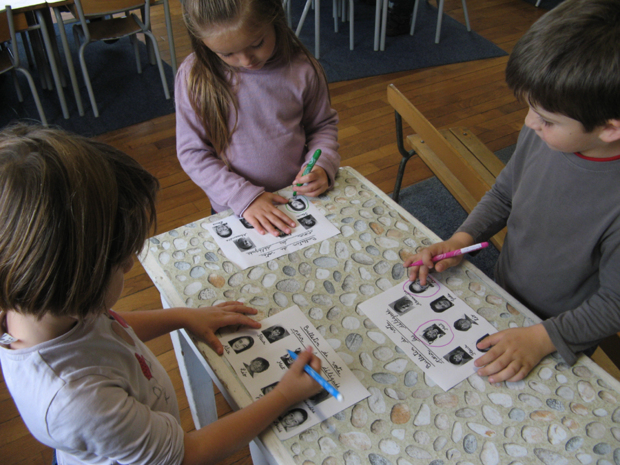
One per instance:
[(313, 184), (296, 385), (457, 241), (203, 322), (265, 217), (514, 352)]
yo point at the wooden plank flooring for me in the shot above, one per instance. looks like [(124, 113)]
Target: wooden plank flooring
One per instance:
[(471, 94)]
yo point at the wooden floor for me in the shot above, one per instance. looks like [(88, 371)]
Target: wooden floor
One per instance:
[(471, 94)]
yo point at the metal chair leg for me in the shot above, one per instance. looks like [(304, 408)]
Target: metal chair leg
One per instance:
[(406, 155), (35, 95), (162, 74), (89, 86)]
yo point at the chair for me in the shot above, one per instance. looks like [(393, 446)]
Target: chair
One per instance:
[(339, 11), (173, 57), (439, 18), (9, 57), (113, 27)]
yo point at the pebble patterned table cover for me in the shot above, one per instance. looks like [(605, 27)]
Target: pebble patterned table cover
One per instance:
[(558, 415)]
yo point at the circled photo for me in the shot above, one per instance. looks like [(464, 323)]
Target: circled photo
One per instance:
[(417, 289), (432, 333), (275, 333), (246, 224), (297, 204)]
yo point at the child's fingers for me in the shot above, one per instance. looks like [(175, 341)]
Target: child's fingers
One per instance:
[(213, 342), (303, 359), (230, 319), (276, 222), (239, 307), (279, 199)]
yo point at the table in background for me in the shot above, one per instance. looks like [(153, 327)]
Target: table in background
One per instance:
[(557, 412)]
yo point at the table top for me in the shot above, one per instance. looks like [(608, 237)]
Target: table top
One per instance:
[(560, 414)]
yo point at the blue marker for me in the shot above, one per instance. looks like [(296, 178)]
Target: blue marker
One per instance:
[(319, 379)]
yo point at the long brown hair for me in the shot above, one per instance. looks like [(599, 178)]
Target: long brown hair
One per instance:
[(211, 81)]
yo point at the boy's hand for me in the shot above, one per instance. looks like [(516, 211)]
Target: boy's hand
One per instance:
[(514, 352), (457, 241), (265, 217), (205, 321), (313, 184), (296, 385)]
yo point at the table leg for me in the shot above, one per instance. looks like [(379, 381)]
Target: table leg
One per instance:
[(383, 25), (197, 382), (317, 28), (173, 56), (52, 61)]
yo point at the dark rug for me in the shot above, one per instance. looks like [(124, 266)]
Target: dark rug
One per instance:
[(431, 203), (401, 53), (123, 96)]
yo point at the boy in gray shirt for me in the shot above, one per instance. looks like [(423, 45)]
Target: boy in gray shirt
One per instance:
[(559, 195)]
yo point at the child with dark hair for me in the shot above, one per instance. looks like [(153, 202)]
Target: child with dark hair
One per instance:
[(73, 213), (559, 193)]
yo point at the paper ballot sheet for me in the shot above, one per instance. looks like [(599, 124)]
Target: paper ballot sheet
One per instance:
[(260, 359), (245, 247), (435, 328)]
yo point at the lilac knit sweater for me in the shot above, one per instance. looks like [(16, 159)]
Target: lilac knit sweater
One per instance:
[(284, 116)]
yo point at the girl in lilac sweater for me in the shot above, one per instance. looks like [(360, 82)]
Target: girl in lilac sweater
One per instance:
[(252, 107)]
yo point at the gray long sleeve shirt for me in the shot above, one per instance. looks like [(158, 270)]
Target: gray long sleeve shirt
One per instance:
[(561, 257)]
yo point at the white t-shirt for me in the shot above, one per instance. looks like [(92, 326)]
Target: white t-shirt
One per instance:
[(97, 395)]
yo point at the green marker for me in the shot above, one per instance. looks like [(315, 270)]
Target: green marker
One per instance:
[(309, 166)]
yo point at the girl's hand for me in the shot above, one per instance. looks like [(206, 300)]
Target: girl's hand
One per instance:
[(265, 217), (296, 385), (313, 184), (205, 321), (514, 352), (457, 241)]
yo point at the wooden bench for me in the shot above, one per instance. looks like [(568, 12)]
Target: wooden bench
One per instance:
[(463, 164), (467, 168)]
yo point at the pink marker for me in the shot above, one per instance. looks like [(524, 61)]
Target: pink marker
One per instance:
[(454, 253)]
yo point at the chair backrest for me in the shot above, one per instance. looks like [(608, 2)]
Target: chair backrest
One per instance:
[(470, 179), (19, 22)]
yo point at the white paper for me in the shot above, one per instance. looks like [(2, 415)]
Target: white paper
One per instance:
[(260, 364), (245, 247), (436, 329)]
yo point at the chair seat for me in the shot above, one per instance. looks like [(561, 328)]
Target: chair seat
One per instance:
[(114, 28), (5, 61)]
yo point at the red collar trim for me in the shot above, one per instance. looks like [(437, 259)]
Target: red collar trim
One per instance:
[(617, 157)]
